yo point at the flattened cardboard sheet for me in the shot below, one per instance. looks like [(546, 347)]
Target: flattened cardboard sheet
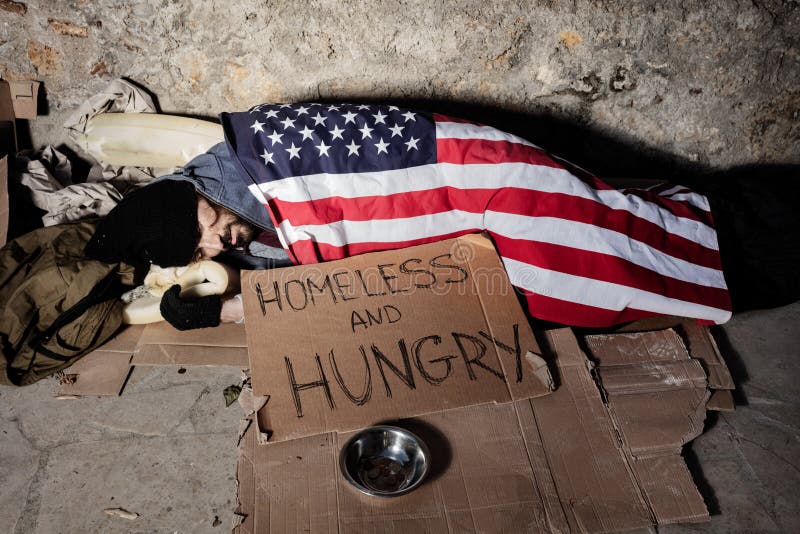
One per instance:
[(343, 344), (191, 355), (549, 464), (100, 372), (223, 345), (105, 370), (224, 335), (125, 340)]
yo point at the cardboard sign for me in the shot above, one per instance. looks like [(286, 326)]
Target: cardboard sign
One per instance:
[(341, 345)]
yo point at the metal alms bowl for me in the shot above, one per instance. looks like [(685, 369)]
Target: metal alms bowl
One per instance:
[(385, 461)]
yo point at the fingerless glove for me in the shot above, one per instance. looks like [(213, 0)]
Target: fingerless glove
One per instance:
[(189, 314)]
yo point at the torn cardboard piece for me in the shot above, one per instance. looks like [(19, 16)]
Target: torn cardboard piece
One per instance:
[(393, 334), (162, 344), (555, 463), (701, 346)]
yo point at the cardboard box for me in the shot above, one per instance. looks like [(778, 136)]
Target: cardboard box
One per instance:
[(24, 98), (340, 345), (8, 132), (564, 462)]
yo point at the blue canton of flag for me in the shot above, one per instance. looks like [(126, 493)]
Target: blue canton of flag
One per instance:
[(310, 138)]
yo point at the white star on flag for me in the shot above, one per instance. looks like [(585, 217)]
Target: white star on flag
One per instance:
[(319, 119), (409, 116), (275, 138), (382, 146), (397, 130), (302, 110), (271, 114), (294, 152), (363, 106), (267, 157), (353, 148), (287, 123), (333, 108), (336, 133), (379, 117), (323, 148), (394, 108), (306, 131), (411, 143), (257, 127), (366, 131), (349, 117)]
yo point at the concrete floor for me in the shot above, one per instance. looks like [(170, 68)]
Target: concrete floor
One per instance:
[(166, 449)]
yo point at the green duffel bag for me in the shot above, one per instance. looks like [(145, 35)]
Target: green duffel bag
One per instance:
[(55, 303)]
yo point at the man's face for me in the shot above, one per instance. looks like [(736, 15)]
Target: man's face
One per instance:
[(219, 229)]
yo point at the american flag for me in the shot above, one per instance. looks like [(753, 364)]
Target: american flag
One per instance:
[(345, 179)]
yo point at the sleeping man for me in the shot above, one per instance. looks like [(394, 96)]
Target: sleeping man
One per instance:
[(305, 183)]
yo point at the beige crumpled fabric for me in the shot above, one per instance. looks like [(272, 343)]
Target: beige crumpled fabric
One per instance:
[(48, 175), (119, 96)]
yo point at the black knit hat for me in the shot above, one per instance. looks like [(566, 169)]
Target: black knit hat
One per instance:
[(155, 224)]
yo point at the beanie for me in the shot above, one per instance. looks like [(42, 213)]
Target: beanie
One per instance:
[(154, 224)]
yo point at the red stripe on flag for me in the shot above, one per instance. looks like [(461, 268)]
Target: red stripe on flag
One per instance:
[(574, 314), (607, 268), (469, 151), (506, 200)]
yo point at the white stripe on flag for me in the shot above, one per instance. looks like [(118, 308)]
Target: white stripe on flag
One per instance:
[(695, 199), (546, 229), (459, 130), (604, 295), (479, 176), (584, 236)]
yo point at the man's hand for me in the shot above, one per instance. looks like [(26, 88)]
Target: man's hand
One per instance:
[(232, 310), (189, 314)]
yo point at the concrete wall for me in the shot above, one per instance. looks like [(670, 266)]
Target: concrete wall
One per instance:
[(711, 83)]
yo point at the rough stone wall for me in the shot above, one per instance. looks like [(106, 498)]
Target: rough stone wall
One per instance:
[(711, 83)]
